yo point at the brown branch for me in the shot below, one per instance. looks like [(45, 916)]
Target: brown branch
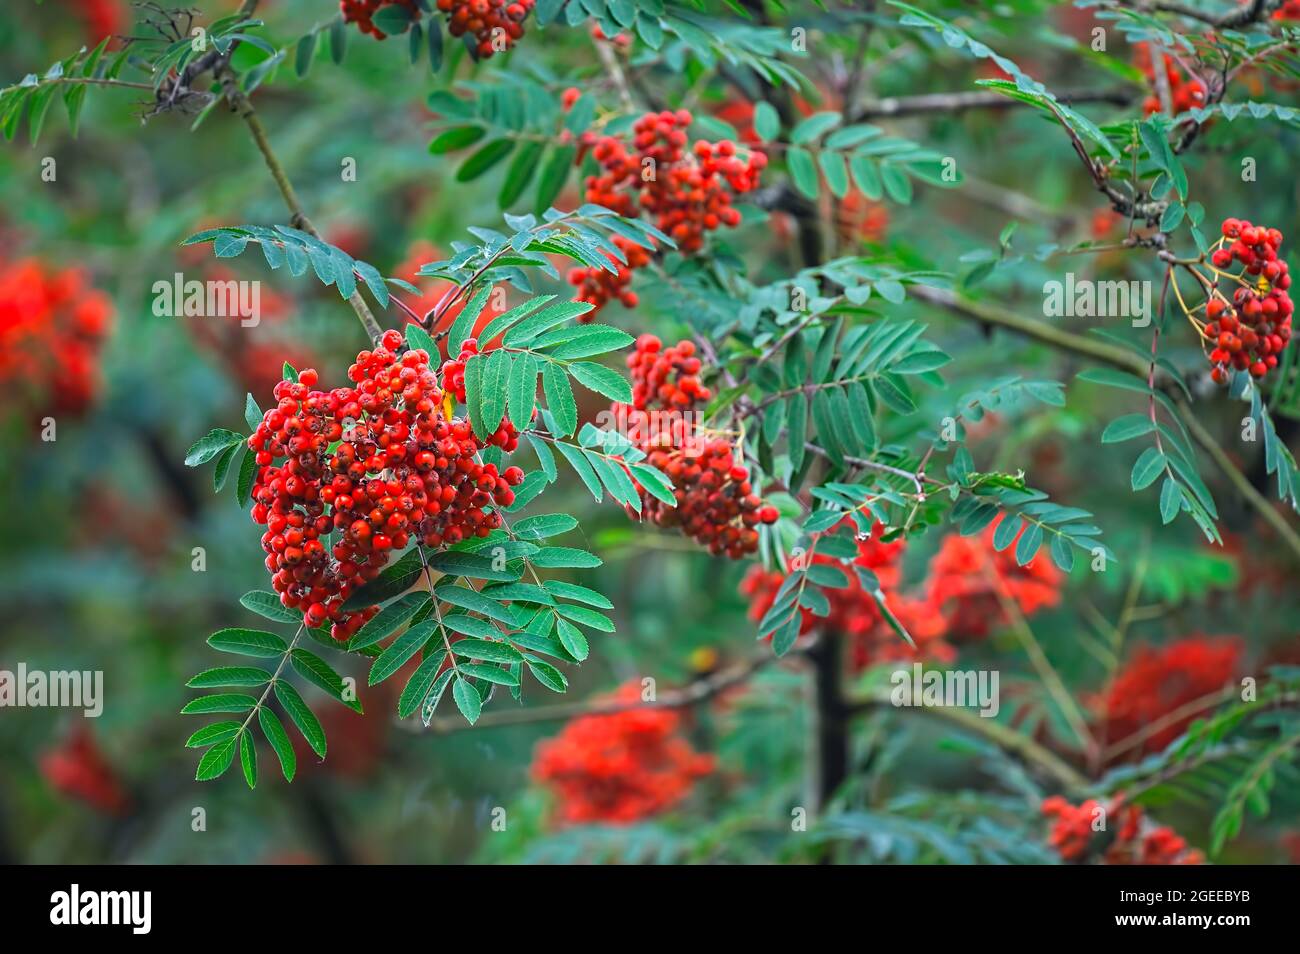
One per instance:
[(241, 105), (1000, 735), (924, 103), (1241, 16), (693, 693)]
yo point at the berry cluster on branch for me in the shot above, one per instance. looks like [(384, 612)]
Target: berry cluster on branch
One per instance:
[(370, 467), (716, 503), (686, 191), (1250, 331)]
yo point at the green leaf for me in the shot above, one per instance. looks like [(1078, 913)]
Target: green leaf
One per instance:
[(248, 758), (402, 649), (655, 483), (280, 744), (1114, 379), (301, 715), (1150, 465), (267, 604), (814, 127), (476, 602), (220, 702), (555, 170), (216, 760), (1126, 428), (494, 674), (578, 460), (587, 617), (556, 557), (803, 171), (456, 138), (544, 525), (602, 380), (492, 391), (836, 171), (520, 173), (304, 53), (215, 732), (421, 681), (573, 591), (388, 620), (210, 445), (463, 327), (1029, 543), (547, 675), (338, 40), (572, 639), (316, 670), (767, 124), (523, 390), (559, 399), (468, 701), (230, 676), (1006, 531), (248, 642), (1171, 500), (392, 581), (222, 467), (477, 566), (588, 340)]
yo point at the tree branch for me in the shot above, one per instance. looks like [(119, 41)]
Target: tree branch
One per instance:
[(693, 693), (923, 103)]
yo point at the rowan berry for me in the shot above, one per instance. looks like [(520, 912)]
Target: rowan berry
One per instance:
[(687, 192), (380, 487), (1250, 332)]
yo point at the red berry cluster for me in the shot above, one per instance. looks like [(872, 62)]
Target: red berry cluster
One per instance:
[(360, 12), (374, 466), (1185, 92), (619, 768), (687, 191), (52, 327), (1250, 332), (969, 578), (716, 503), (487, 20), (1135, 840), (856, 615), (1158, 682)]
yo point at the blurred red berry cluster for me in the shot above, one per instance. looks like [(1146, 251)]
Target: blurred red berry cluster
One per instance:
[(621, 767), (1185, 92), (52, 328), (1118, 834), (855, 614), (969, 579), (77, 768), (961, 602), (1158, 682)]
